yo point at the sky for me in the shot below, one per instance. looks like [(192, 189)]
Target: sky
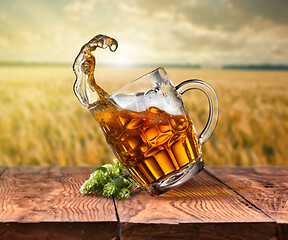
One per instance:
[(206, 32)]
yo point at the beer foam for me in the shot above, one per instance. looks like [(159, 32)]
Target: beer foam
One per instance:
[(167, 101)]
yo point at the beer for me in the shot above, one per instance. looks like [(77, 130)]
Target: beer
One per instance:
[(152, 144), (145, 122)]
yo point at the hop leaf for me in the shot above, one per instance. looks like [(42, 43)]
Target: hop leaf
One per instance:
[(127, 183)]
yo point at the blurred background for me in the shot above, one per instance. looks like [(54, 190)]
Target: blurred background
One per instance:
[(239, 47)]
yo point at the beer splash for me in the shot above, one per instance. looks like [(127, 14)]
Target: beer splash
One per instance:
[(85, 87)]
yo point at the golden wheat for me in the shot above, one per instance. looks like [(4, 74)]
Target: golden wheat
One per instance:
[(43, 123)]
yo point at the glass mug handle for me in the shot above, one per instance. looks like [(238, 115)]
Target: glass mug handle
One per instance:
[(213, 104)]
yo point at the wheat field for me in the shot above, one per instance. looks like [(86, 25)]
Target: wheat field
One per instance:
[(43, 123)]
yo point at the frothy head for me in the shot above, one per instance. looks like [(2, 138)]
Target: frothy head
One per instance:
[(157, 90)]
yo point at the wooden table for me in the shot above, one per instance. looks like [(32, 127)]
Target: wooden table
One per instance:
[(219, 203)]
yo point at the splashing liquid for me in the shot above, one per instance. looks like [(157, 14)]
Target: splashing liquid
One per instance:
[(85, 87)]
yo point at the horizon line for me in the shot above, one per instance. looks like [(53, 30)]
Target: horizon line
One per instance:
[(260, 66)]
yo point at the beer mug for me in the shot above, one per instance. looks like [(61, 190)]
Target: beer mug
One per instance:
[(148, 129)]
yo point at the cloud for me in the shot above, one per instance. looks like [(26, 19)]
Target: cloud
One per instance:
[(76, 7), (193, 31), (222, 14)]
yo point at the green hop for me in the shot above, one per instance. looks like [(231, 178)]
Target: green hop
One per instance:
[(119, 165), (123, 193), (108, 190), (85, 188), (112, 170), (92, 183), (110, 180), (97, 175), (88, 187)]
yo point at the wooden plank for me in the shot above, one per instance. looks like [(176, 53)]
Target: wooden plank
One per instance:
[(201, 207), (51, 195), (282, 231), (56, 231), (265, 187), (200, 231)]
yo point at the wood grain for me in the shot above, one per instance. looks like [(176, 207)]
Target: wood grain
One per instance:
[(265, 187), (219, 203), (51, 194), (203, 201)]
